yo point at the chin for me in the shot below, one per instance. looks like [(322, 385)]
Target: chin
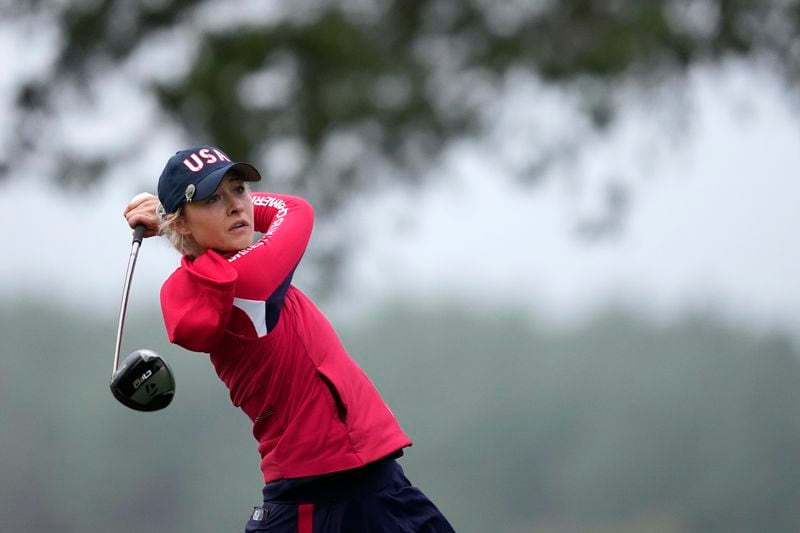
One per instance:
[(232, 246), (242, 244)]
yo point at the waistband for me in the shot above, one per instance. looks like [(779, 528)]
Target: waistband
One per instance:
[(339, 485)]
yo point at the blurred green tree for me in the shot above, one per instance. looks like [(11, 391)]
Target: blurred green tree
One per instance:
[(398, 76), (361, 94), (397, 79)]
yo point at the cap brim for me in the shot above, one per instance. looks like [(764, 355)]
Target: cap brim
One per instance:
[(206, 186)]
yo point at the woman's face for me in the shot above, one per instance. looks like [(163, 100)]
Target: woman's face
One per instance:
[(223, 222)]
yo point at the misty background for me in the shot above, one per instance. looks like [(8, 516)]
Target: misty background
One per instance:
[(560, 237)]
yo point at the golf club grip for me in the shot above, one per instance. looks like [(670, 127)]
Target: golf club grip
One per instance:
[(138, 233)]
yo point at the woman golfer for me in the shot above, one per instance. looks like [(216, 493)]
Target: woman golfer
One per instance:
[(327, 441)]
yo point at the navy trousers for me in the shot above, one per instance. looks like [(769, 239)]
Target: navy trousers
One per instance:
[(376, 498)]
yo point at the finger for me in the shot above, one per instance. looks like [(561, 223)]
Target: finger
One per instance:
[(136, 217), (148, 232), (142, 215)]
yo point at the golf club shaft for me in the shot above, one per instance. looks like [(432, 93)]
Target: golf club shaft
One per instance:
[(138, 233)]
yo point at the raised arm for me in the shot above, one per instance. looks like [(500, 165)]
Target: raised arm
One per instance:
[(196, 301), (286, 223)]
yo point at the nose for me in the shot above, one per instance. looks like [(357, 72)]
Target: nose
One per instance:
[(235, 204)]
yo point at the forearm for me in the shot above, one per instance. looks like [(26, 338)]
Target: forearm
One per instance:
[(286, 222)]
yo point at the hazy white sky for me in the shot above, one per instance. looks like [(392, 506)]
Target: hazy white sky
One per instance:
[(713, 222)]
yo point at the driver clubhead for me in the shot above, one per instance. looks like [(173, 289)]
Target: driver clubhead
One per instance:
[(143, 382)]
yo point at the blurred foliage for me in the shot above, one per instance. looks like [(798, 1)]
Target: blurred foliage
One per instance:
[(375, 90), (350, 95), (617, 425)]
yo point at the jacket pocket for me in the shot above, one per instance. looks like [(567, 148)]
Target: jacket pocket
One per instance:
[(341, 407)]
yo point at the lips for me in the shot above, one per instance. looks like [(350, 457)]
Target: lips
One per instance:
[(239, 224)]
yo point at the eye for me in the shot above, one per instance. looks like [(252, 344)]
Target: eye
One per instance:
[(213, 199)]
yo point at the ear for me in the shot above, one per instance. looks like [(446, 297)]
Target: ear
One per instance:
[(181, 227)]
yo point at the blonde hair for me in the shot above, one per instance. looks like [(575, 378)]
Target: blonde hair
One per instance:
[(168, 227)]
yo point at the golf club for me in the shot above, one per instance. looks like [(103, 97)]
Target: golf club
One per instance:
[(143, 382)]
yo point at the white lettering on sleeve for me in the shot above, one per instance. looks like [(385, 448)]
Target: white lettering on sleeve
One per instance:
[(282, 211)]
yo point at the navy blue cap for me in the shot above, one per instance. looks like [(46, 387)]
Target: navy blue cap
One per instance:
[(194, 174)]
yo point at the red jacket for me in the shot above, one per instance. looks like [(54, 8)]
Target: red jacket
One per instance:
[(314, 411)]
